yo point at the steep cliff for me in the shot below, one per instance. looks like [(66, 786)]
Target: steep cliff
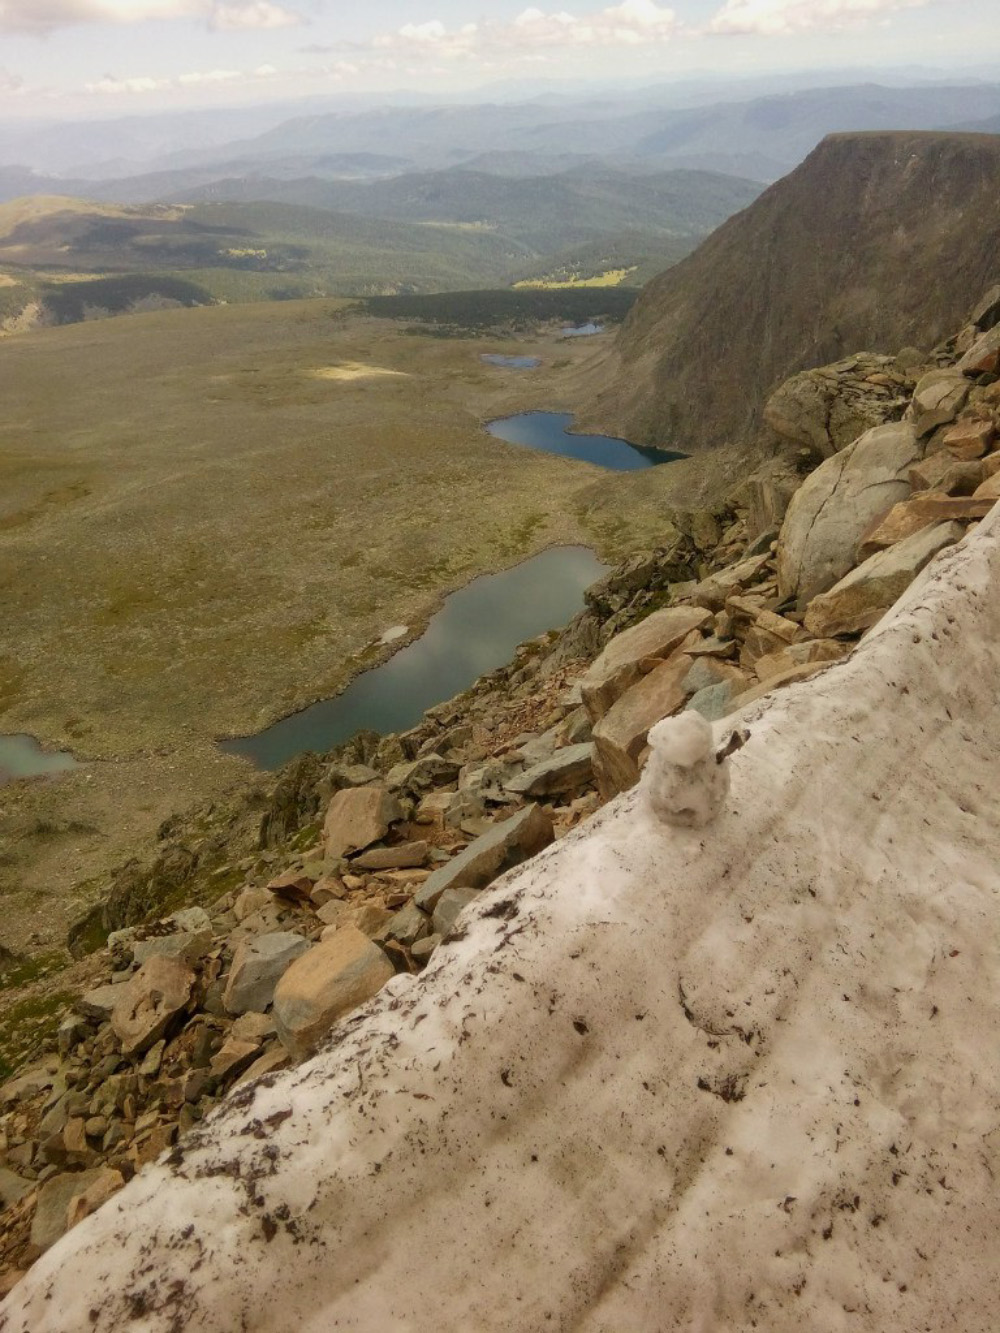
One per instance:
[(875, 242)]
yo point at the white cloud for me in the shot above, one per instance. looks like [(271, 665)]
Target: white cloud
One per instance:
[(44, 16), (631, 23), (778, 18), (260, 14)]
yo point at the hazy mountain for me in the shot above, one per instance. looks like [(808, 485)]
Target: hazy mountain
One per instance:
[(776, 131), (875, 242), (544, 212)]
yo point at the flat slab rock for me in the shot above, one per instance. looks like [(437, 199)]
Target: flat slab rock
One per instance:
[(149, 1001), (860, 599), (512, 841), (621, 662), (564, 771)]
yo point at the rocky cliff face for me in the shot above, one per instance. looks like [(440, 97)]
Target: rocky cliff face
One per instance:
[(875, 242)]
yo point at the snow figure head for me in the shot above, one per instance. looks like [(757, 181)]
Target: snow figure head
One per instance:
[(684, 783)]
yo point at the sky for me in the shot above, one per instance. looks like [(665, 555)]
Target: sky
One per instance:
[(101, 57)]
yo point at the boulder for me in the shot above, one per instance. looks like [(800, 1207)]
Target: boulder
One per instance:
[(328, 981), (983, 356), (943, 472), (969, 439), (149, 1001), (858, 600), (357, 817), (56, 1199), (258, 965), (828, 408), (407, 926), (619, 665), (99, 1002), (567, 770), (190, 940), (938, 398), (836, 503), (712, 591), (713, 702), (449, 907), (503, 846), (620, 736)]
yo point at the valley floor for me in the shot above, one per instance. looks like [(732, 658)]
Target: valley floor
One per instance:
[(208, 519)]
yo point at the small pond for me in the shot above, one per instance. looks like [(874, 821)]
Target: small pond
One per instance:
[(476, 630), (511, 362), (582, 330), (23, 757), (549, 431)]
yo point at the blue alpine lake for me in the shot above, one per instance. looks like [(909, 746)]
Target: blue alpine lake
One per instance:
[(511, 362), (549, 431), (476, 631)]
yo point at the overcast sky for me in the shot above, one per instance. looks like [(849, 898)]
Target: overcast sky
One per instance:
[(115, 56)]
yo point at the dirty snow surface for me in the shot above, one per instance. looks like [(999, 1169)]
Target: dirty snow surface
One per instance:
[(722, 1078)]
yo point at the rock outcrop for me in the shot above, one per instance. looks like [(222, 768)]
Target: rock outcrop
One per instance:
[(843, 253)]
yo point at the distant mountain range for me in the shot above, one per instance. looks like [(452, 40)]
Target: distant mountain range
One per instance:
[(662, 126)]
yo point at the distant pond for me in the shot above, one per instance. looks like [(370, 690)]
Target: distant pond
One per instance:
[(582, 330), (23, 757), (549, 431), (476, 631), (511, 362)]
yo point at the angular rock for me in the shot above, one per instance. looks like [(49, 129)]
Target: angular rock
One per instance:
[(449, 908), (983, 356), (294, 886), (714, 701), (943, 472), (402, 857), (938, 398), (828, 408), (567, 770), (618, 666), (52, 1220), (149, 1001), (937, 507), (620, 736), (13, 1187), (99, 1002), (799, 654), (407, 926), (989, 489), (258, 965), (836, 503), (429, 770), (235, 1055), (329, 981), (190, 941), (901, 521), (423, 949), (357, 817), (712, 592), (859, 600), (967, 440), (505, 845)]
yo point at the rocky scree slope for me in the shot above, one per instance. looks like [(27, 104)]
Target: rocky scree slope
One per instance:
[(367, 867), (875, 241)]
